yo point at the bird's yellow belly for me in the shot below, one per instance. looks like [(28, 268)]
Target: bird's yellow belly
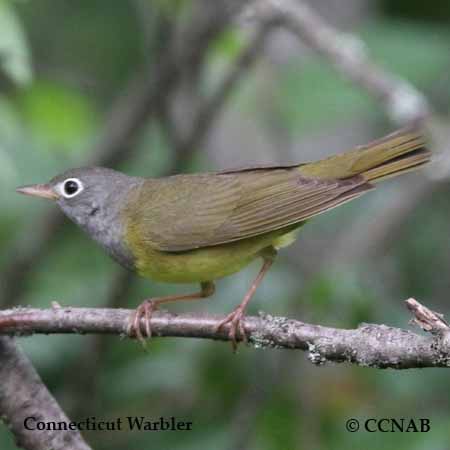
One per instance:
[(203, 264)]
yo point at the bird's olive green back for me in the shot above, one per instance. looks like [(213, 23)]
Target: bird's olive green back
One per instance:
[(191, 211)]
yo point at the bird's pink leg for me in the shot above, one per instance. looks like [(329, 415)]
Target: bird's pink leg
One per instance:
[(236, 316), (142, 330)]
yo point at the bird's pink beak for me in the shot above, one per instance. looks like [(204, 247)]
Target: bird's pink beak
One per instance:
[(38, 190)]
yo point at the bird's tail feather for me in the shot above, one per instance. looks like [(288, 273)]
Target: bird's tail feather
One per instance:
[(396, 166), (392, 155)]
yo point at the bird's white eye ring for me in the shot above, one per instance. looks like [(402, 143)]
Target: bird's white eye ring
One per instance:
[(71, 187)]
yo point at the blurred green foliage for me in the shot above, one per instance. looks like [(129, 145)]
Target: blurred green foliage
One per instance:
[(62, 65)]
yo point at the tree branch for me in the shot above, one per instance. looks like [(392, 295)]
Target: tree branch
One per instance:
[(347, 53), (368, 345), (23, 395)]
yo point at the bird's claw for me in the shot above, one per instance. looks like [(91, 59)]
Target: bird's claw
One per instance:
[(235, 319), (135, 329)]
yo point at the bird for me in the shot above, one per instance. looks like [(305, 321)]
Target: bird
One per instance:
[(198, 228)]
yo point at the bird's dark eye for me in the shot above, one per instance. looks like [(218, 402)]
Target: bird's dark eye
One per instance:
[(71, 187)]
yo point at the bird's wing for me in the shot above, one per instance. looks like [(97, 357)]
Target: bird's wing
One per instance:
[(191, 211)]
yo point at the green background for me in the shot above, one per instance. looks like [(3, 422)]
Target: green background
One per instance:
[(62, 66)]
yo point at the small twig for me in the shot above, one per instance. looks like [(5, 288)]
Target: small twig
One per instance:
[(22, 396), (426, 318), (368, 345)]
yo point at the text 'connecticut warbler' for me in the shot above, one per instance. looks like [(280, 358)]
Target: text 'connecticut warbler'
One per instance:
[(197, 228)]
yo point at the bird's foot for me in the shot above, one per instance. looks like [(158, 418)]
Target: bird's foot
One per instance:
[(236, 325), (139, 324)]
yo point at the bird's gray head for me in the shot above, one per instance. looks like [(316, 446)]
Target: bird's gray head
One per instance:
[(84, 193), (93, 198)]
